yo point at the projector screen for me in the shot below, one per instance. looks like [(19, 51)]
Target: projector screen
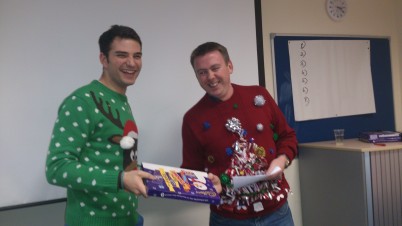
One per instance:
[(49, 48)]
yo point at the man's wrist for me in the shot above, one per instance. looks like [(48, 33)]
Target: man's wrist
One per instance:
[(121, 180), (287, 161)]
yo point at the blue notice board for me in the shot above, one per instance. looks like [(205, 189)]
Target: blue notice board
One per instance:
[(322, 129)]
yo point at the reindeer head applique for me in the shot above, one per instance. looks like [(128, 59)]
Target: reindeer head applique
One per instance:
[(128, 141)]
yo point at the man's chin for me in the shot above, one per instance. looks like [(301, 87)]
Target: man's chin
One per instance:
[(214, 94), (130, 82)]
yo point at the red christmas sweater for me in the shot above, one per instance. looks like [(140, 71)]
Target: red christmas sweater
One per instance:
[(209, 145)]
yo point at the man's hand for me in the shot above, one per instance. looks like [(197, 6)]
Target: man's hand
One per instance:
[(216, 181), (277, 167), (133, 181)]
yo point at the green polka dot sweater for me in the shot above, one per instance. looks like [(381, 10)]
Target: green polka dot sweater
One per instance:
[(84, 158)]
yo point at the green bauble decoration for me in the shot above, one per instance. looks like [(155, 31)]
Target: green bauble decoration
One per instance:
[(225, 179), (276, 136)]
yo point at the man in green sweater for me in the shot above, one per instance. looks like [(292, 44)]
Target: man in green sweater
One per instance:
[(93, 147)]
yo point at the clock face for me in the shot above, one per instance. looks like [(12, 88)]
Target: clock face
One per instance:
[(336, 9)]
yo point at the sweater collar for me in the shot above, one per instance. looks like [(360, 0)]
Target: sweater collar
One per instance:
[(105, 89)]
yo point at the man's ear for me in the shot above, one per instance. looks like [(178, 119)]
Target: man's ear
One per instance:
[(230, 66), (103, 60)]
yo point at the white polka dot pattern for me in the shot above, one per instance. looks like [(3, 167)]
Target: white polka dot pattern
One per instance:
[(83, 159)]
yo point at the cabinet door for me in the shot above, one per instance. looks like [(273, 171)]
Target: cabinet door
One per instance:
[(333, 187), (386, 167)]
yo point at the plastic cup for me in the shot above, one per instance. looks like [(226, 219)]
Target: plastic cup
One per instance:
[(339, 134)]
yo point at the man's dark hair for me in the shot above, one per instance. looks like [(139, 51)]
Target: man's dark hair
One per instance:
[(207, 47), (124, 32)]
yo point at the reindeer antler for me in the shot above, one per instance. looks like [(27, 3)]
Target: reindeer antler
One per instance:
[(108, 114)]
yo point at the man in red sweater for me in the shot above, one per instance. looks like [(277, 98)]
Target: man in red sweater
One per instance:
[(238, 131)]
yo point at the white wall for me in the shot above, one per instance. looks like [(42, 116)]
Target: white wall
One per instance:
[(364, 18)]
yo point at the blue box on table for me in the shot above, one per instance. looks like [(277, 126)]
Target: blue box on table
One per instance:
[(380, 136)]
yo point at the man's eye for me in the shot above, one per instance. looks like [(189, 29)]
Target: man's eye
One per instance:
[(202, 73), (215, 68)]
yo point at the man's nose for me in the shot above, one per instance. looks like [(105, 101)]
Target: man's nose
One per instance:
[(210, 74), (130, 61)]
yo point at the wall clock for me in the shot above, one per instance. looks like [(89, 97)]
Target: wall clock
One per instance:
[(336, 9)]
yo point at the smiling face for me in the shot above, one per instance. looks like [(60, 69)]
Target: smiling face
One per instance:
[(213, 74), (122, 65)]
